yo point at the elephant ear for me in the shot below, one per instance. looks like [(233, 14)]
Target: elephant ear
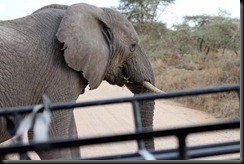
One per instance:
[(86, 41)]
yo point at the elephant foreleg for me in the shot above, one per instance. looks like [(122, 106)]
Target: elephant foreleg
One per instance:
[(62, 126), (75, 152)]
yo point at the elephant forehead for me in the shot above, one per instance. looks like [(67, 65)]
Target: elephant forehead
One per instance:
[(120, 23), (127, 34)]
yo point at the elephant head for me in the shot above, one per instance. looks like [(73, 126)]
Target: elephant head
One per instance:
[(103, 45)]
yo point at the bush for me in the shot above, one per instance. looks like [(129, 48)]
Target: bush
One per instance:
[(189, 57)]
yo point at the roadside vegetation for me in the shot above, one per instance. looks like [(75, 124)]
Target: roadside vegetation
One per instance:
[(202, 51)]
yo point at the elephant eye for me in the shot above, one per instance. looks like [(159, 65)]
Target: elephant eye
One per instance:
[(133, 47)]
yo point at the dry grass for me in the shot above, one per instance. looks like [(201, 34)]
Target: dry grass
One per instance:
[(178, 65), (189, 71)]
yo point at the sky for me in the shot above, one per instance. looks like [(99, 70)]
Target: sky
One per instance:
[(11, 9)]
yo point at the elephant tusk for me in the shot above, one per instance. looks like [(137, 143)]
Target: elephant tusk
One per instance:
[(151, 87)]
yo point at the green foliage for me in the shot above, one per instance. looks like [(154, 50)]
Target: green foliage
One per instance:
[(141, 11), (216, 32), (204, 34), (189, 55), (199, 33)]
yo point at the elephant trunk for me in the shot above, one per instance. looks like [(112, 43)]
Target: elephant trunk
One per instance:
[(142, 81), (146, 111)]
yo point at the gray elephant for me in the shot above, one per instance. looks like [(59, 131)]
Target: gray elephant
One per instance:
[(59, 50)]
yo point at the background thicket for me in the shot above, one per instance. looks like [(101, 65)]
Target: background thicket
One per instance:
[(202, 51)]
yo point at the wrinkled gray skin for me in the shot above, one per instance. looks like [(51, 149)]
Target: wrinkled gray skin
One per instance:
[(59, 50)]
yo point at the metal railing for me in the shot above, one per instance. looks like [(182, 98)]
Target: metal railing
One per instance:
[(183, 151)]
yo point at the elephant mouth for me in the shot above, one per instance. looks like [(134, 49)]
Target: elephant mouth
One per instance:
[(123, 79), (147, 85), (116, 78)]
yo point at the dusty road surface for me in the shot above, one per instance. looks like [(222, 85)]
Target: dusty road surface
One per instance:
[(116, 119)]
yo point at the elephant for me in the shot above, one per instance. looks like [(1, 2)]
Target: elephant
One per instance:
[(60, 50)]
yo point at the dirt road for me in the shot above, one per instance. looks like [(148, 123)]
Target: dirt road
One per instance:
[(115, 119)]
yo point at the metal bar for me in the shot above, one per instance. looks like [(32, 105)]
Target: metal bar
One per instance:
[(137, 121), (138, 128), (145, 96), (140, 133), (214, 149), (238, 93), (182, 146), (173, 154), (57, 144)]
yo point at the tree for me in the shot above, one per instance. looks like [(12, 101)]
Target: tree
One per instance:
[(141, 11), (215, 32)]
